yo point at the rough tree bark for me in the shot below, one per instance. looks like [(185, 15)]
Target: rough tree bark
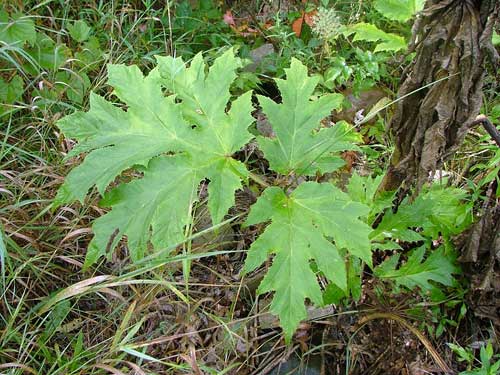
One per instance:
[(441, 90)]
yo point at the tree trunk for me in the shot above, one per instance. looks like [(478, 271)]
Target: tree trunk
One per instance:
[(441, 91)]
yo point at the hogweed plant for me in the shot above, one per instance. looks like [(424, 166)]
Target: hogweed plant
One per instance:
[(327, 26), (326, 23), (179, 127)]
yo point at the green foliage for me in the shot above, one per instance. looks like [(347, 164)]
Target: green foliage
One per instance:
[(399, 10), (77, 86), (79, 31), (433, 217), (496, 39), (464, 354), (179, 140), (486, 357), (177, 131), (301, 225), (198, 27), (10, 92), (17, 30), (198, 134), (363, 189), (370, 33), (394, 10), (45, 55), (333, 294), (337, 74), (487, 169), (150, 140), (301, 146), (36, 56), (90, 54), (441, 320), (352, 67), (491, 170), (435, 212), (304, 50), (416, 272), (304, 221)]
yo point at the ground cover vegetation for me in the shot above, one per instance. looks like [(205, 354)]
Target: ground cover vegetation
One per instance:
[(235, 187)]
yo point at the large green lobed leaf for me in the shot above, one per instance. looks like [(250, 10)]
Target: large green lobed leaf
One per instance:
[(302, 228), (301, 145), (180, 139)]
